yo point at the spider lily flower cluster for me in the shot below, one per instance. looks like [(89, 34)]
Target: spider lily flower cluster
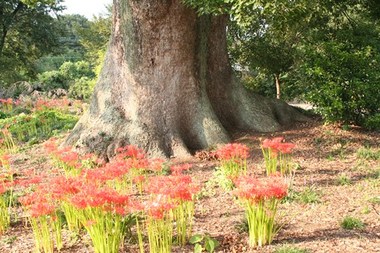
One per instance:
[(111, 197), (259, 196), (133, 194), (277, 155)]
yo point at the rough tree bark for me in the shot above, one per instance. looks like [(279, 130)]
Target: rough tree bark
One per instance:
[(167, 85)]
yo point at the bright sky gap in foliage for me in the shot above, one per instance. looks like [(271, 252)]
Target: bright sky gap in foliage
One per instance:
[(87, 8)]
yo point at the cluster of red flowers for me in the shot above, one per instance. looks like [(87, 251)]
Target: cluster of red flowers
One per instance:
[(257, 189), (5, 185), (157, 207), (38, 203), (9, 101), (4, 160), (180, 168), (41, 104), (233, 151), (277, 145), (68, 158), (91, 195), (180, 187), (130, 151)]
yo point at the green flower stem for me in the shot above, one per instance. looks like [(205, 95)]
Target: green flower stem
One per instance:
[(160, 234), (106, 229), (5, 217), (41, 230), (183, 216), (73, 223), (260, 216)]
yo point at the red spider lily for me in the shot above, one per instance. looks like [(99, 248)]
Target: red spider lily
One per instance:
[(286, 148), (130, 151), (63, 187), (41, 208), (38, 203), (176, 187), (26, 182), (277, 145), (139, 179), (271, 143), (5, 186), (5, 160), (178, 169), (256, 189), (69, 157), (7, 101), (90, 195), (113, 170), (157, 207), (51, 146), (233, 151), (156, 165)]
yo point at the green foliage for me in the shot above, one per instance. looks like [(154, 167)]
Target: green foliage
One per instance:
[(368, 153), (203, 242), (289, 249), (39, 125), (372, 122), (343, 81), (343, 179), (94, 38), (52, 80), (350, 223), (21, 27), (77, 77), (307, 196), (82, 88)]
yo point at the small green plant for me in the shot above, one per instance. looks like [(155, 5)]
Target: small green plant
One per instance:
[(343, 179), (350, 223), (203, 242), (9, 239), (375, 200), (372, 122), (308, 196), (368, 153), (290, 249)]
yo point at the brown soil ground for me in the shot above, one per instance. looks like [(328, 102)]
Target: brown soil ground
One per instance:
[(328, 165)]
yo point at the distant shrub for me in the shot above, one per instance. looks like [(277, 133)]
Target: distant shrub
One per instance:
[(82, 88), (372, 122), (76, 77), (52, 80)]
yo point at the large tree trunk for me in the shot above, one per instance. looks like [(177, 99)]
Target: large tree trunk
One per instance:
[(167, 85)]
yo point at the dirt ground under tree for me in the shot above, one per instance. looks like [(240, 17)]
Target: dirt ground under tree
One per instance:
[(338, 175)]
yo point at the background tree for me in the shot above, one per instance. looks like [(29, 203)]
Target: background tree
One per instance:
[(327, 51), (167, 85), (27, 32)]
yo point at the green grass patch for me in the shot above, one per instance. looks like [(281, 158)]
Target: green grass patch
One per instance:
[(368, 153), (350, 223), (307, 196), (344, 179), (290, 249), (38, 126)]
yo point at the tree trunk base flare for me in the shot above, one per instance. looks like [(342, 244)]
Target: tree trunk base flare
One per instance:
[(168, 88)]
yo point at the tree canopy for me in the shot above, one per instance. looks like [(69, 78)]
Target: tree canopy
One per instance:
[(27, 31)]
